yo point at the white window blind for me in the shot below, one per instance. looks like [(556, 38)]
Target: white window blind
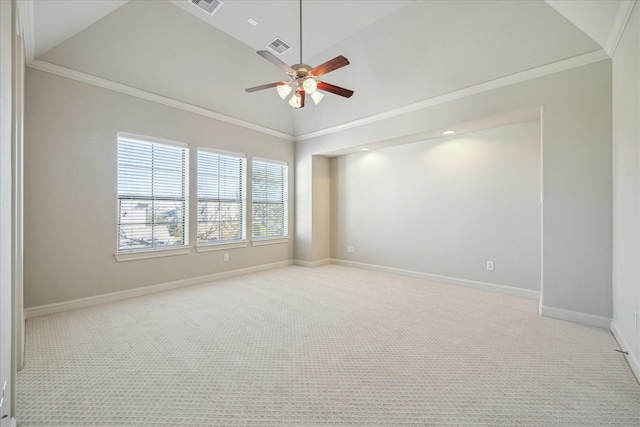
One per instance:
[(152, 194), (270, 199), (221, 197)]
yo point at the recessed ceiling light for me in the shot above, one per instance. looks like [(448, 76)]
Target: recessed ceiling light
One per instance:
[(449, 132), (252, 21)]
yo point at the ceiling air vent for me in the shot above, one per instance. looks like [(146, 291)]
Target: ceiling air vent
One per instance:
[(209, 6), (279, 46)]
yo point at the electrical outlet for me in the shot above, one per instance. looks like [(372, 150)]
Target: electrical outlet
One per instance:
[(225, 257), (351, 249), (490, 265)]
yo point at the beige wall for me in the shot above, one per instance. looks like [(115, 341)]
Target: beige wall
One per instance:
[(70, 182), (576, 176), (444, 206), (321, 205), (70, 189), (626, 167)]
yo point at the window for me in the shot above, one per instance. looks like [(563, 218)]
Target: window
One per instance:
[(270, 199), (152, 194), (221, 197)]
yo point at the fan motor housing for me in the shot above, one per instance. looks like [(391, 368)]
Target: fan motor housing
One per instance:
[(302, 70)]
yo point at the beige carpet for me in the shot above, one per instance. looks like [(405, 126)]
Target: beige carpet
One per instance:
[(330, 346)]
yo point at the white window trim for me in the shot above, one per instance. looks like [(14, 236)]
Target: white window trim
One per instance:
[(221, 246), (222, 152), (265, 160), (208, 247), (152, 140), (261, 241), (269, 241), (156, 253)]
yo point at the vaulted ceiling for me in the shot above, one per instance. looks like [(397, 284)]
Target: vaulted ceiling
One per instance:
[(401, 52)]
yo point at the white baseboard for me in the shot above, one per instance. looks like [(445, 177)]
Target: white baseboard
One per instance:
[(509, 290), (312, 264), (576, 317), (59, 307), (632, 358)]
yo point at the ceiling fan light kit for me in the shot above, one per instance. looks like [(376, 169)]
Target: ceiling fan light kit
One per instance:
[(284, 90), (303, 79), (317, 97)]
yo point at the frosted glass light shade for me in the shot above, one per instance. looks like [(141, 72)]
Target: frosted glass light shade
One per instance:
[(296, 100), (317, 97), (310, 85), (283, 90)]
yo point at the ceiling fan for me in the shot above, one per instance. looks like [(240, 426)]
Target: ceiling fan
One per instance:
[(303, 78)]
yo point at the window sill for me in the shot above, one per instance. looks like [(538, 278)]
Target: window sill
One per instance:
[(221, 246), (262, 242), (136, 255)]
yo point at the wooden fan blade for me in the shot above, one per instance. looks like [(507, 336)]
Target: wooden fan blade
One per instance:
[(275, 61), (329, 66), (302, 96), (261, 87), (327, 87)]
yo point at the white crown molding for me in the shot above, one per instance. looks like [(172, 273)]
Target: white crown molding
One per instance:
[(544, 70), (26, 22), (474, 284), (27, 26), (59, 307), (625, 8), (576, 317), (69, 73)]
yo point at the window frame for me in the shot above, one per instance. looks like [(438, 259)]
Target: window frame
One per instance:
[(123, 254), (272, 239), (227, 243)]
